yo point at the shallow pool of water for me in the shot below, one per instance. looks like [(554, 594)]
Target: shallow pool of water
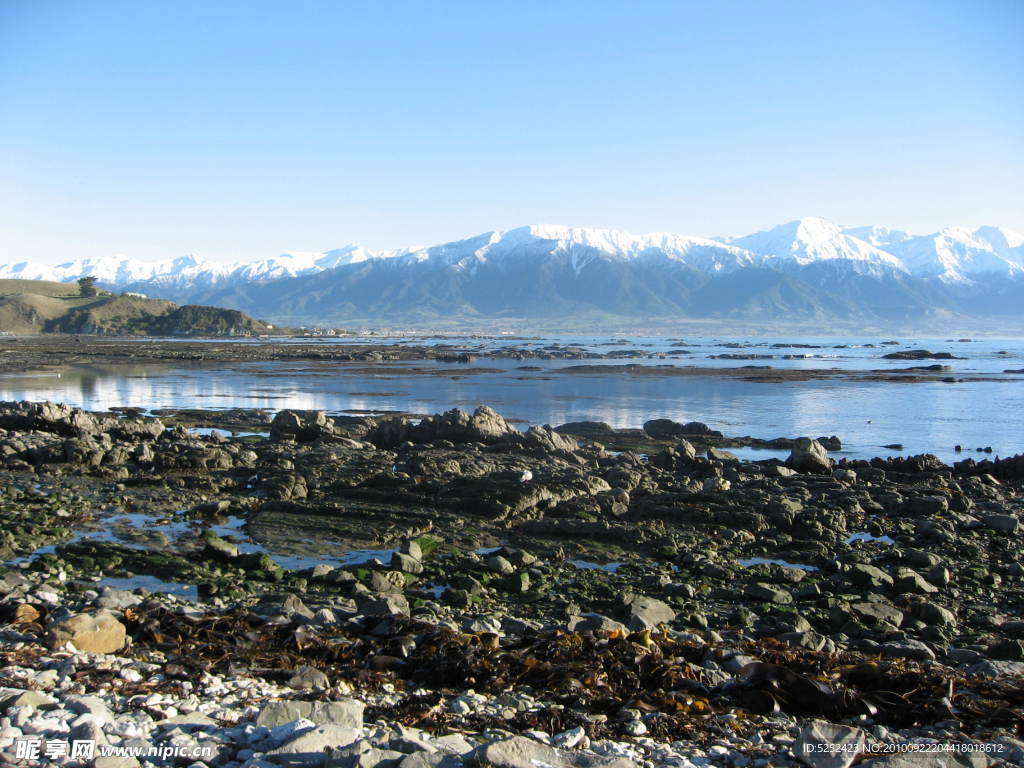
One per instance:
[(152, 584), (924, 417), (865, 536), (232, 530), (586, 565)]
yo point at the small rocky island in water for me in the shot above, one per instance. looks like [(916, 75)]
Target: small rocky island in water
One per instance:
[(250, 591)]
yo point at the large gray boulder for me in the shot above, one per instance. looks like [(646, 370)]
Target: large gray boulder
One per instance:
[(594, 622), (877, 614), (346, 713), (382, 604), (310, 748), (521, 752), (808, 455), (642, 612)]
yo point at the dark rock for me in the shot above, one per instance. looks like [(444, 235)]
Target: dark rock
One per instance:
[(911, 582), (1006, 650), (1003, 523), (592, 429), (700, 428), (675, 457), (925, 462), (301, 426), (934, 615), (908, 649), (382, 604), (768, 594), (485, 425), (515, 584), (925, 506), (663, 429), (876, 614), (546, 439), (831, 443), (869, 576), (918, 354)]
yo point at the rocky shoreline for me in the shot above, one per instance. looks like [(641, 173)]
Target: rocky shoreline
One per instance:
[(354, 591)]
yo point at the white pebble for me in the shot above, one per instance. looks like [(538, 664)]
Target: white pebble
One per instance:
[(571, 738), (45, 725), (127, 728), (635, 728)]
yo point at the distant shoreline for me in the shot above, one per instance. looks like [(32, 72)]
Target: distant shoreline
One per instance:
[(23, 353)]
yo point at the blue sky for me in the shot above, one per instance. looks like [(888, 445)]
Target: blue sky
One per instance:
[(238, 130)]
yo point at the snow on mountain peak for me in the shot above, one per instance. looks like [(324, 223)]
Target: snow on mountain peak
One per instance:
[(880, 237), (617, 243), (953, 255), (959, 254), (812, 239), (1000, 238)]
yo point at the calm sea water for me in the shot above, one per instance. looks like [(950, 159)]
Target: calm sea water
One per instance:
[(923, 417)]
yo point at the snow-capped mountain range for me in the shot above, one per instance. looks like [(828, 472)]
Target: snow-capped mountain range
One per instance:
[(185, 270), (573, 267), (953, 255)]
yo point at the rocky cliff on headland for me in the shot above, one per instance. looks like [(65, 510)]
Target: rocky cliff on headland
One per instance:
[(32, 307)]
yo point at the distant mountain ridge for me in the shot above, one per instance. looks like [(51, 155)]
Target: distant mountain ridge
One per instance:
[(809, 268)]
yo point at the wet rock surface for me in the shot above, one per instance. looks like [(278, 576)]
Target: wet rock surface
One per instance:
[(353, 591)]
